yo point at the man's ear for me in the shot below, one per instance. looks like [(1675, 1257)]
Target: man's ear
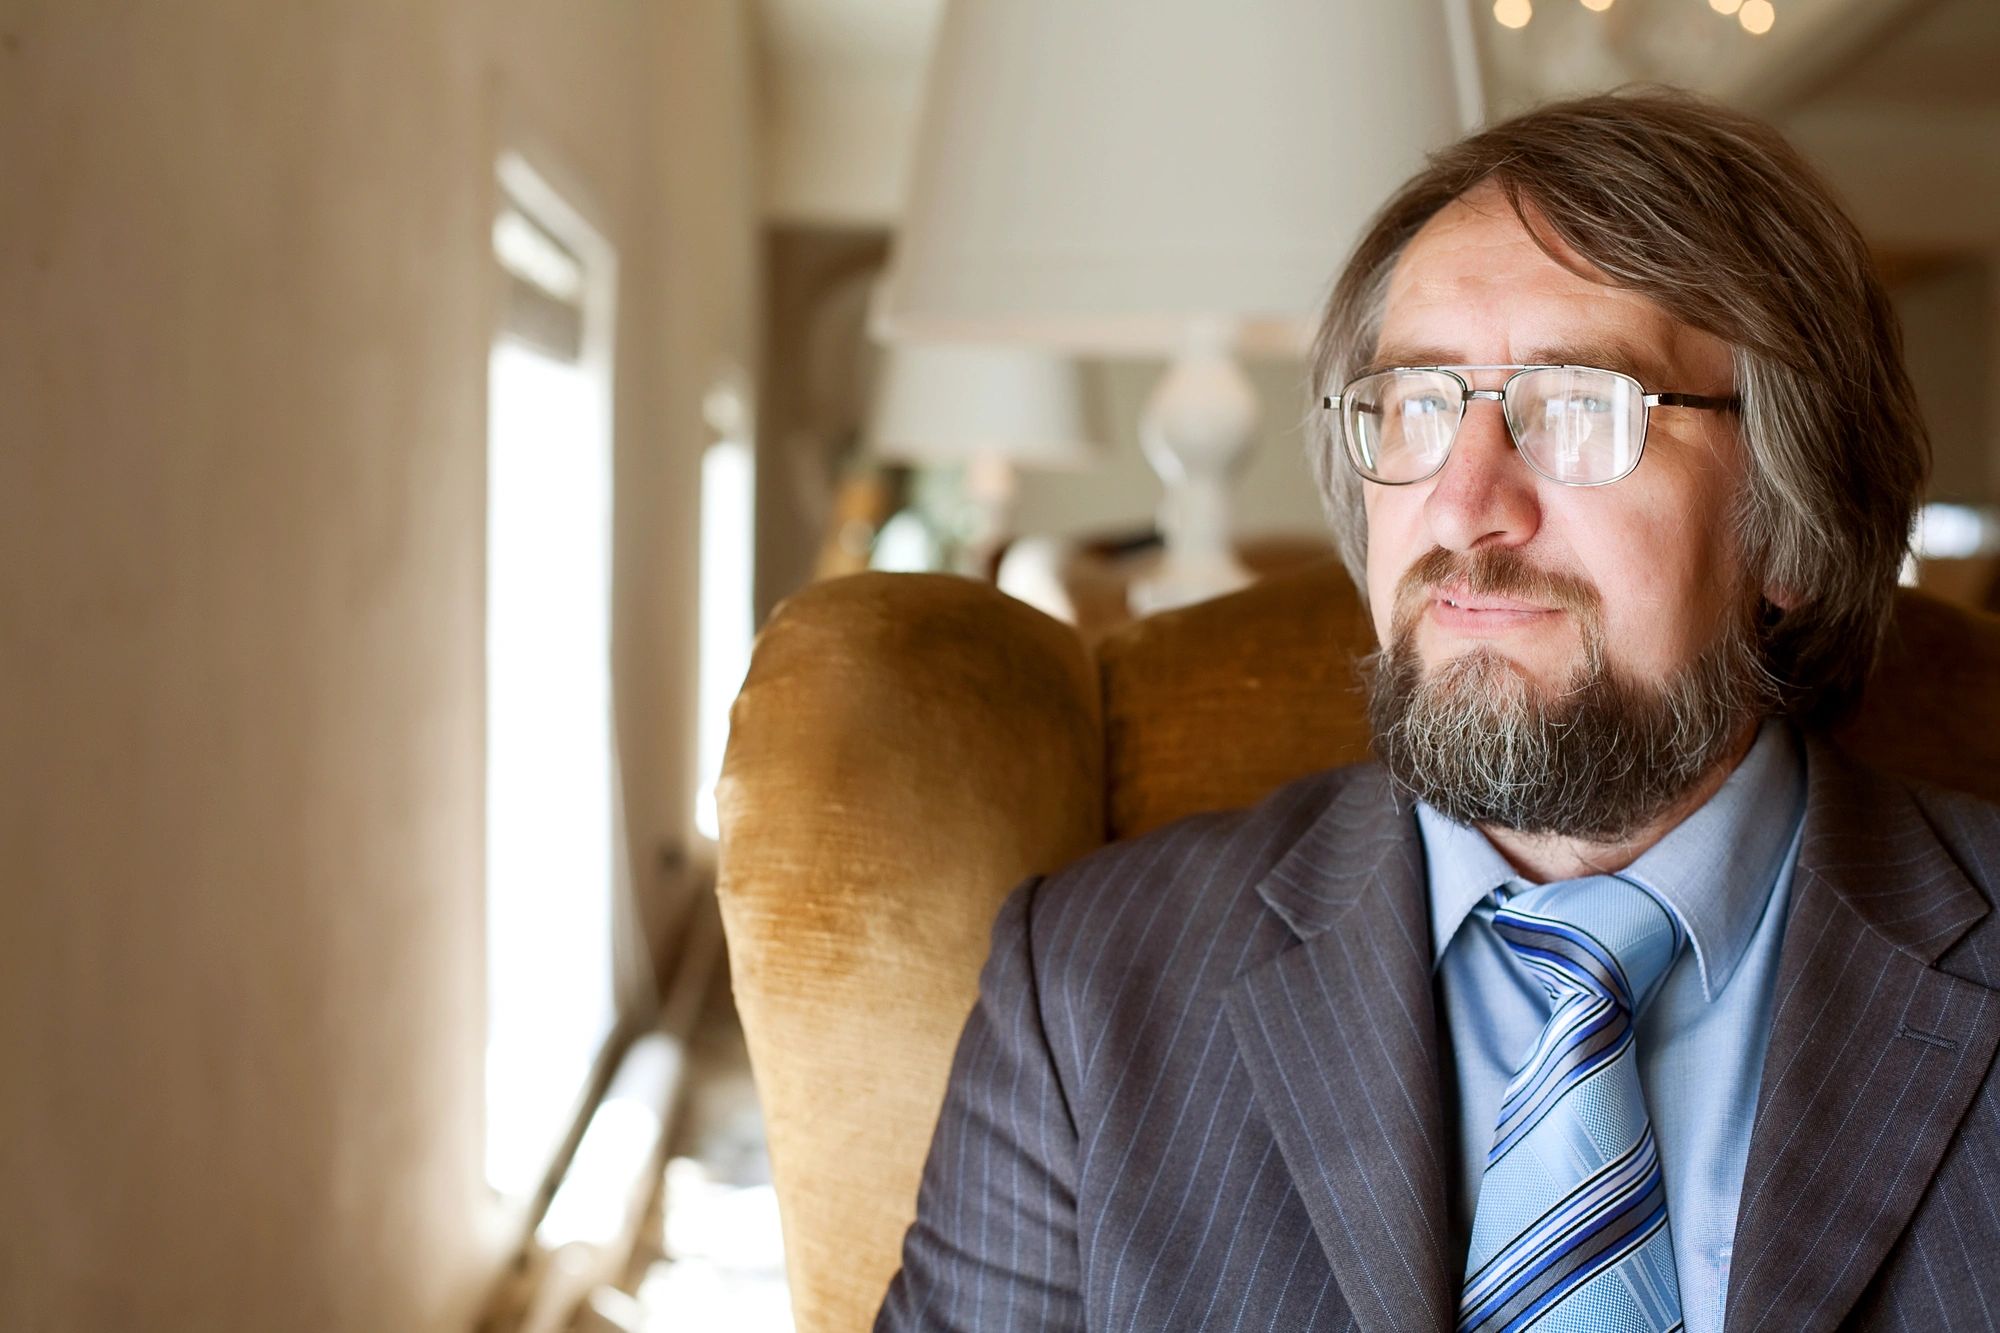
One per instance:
[(1774, 605)]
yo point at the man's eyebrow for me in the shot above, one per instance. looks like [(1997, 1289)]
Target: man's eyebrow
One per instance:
[(1610, 354), (1392, 357), (1607, 354)]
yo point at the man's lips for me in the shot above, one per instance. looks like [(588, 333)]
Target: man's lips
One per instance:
[(1455, 608), (1456, 596)]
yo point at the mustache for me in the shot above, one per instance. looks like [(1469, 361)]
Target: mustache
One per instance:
[(1499, 571)]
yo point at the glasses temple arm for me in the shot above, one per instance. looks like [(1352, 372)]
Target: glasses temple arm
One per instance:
[(1332, 401), (1703, 401)]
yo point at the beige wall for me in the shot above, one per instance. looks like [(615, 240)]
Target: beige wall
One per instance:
[(835, 145), (1949, 345), (1923, 183), (244, 312)]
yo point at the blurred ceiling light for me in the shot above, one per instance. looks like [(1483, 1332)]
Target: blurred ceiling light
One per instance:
[(1513, 13), (1725, 6), (1597, 6), (1757, 16)]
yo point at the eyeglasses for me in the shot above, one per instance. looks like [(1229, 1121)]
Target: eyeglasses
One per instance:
[(1576, 425)]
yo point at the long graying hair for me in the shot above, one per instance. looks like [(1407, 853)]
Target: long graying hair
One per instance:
[(1711, 215)]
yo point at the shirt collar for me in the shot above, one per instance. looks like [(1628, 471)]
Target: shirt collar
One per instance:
[(1716, 868), (1463, 869)]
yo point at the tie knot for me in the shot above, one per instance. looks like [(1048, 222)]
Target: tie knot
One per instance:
[(1598, 936)]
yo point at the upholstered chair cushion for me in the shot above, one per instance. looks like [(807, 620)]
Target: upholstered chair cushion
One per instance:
[(1213, 706), (908, 747), (905, 749)]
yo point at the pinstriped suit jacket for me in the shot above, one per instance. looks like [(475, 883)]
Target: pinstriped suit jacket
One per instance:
[(1200, 1087)]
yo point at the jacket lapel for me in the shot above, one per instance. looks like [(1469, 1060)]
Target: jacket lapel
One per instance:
[(1874, 1058), (1340, 1038)]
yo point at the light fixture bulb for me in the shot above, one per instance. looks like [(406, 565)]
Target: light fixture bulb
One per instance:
[(1756, 16), (1597, 6), (1725, 6), (1513, 13)]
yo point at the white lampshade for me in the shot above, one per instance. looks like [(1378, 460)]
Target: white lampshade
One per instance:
[(1097, 174), (938, 403)]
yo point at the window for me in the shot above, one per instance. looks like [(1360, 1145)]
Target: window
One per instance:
[(555, 853), (728, 502)]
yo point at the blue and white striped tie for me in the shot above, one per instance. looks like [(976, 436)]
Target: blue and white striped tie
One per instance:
[(1571, 1228)]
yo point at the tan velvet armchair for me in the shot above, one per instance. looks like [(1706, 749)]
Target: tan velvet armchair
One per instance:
[(908, 747)]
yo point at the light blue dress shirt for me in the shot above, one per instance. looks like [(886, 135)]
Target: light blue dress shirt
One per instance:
[(1726, 870)]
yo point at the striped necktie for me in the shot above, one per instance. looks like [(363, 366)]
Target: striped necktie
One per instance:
[(1570, 1232)]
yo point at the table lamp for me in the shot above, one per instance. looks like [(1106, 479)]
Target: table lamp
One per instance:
[(1175, 178), (990, 408)]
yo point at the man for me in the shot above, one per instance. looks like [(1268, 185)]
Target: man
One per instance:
[(1614, 997)]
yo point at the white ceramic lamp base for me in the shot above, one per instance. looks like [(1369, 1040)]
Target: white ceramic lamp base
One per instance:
[(1196, 431)]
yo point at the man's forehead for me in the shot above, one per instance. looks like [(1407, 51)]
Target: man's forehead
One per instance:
[(1476, 267), (1484, 224)]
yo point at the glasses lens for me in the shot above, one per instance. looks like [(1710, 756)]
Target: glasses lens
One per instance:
[(1576, 424), (1400, 423)]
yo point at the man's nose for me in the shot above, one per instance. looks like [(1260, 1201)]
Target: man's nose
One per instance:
[(1486, 494)]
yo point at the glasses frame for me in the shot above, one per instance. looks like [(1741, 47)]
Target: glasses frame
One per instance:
[(1469, 395)]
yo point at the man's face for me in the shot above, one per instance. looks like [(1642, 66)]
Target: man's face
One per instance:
[(1656, 548), (1560, 660)]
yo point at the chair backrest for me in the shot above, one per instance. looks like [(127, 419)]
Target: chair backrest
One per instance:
[(907, 748)]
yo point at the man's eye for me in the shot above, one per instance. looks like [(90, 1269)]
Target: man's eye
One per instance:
[(1582, 404), (1426, 405)]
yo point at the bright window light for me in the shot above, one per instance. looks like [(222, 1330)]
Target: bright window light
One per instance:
[(527, 252), (550, 812), (1956, 532), (728, 497), (726, 1265), (596, 1200)]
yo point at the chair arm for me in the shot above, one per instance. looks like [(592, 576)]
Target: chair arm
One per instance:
[(905, 750)]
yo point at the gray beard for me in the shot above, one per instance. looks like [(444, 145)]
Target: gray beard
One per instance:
[(1598, 760)]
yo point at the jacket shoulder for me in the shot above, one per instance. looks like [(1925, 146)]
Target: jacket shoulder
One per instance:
[(1203, 867), (1125, 942), (1969, 828), (1963, 827), (1248, 840)]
